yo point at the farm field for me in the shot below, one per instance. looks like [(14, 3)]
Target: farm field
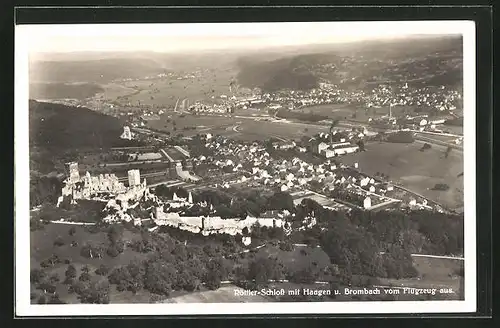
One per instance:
[(433, 272), (438, 137), (455, 129), (330, 110), (114, 90), (356, 112), (164, 92), (415, 170), (238, 127)]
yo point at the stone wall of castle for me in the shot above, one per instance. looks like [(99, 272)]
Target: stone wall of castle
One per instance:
[(212, 225)]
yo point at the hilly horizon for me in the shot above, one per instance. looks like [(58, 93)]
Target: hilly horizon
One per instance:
[(271, 69), (358, 65)]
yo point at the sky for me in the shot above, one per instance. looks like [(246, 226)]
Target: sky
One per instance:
[(185, 37)]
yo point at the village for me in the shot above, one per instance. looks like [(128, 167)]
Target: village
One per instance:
[(242, 166)]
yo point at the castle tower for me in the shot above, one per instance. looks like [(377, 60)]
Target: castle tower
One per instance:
[(134, 178), (72, 172)]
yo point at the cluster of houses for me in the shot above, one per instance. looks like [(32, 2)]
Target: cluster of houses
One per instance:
[(211, 108), (441, 99)]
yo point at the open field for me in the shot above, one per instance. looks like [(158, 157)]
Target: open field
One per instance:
[(164, 92), (437, 269), (415, 170), (356, 112), (433, 272), (114, 90), (330, 110), (85, 211), (239, 127), (443, 138), (299, 258)]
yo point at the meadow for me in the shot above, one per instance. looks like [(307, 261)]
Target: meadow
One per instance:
[(354, 112), (165, 91), (415, 170)]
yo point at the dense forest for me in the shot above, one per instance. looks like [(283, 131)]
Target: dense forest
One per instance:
[(57, 133), (286, 73), (60, 127)]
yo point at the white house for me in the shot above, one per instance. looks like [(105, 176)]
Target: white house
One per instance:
[(246, 240), (367, 203)]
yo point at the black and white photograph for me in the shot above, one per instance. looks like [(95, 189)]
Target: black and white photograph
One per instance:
[(245, 168)]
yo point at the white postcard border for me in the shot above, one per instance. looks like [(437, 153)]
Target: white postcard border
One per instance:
[(21, 189)]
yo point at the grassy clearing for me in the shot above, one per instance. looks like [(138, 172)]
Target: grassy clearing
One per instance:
[(42, 247), (299, 258), (166, 91)]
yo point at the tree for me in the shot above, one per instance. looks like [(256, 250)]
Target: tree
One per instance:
[(54, 278), (264, 269), (95, 293), (280, 201), (102, 270), (425, 146), (159, 277), (58, 241), (286, 246), (441, 186), (92, 251), (306, 275), (84, 276), (42, 300), (55, 300), (37, 276), (70, 272), (216, 272), (115, 234), (47, 287), (361, 145), (115, 249)]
